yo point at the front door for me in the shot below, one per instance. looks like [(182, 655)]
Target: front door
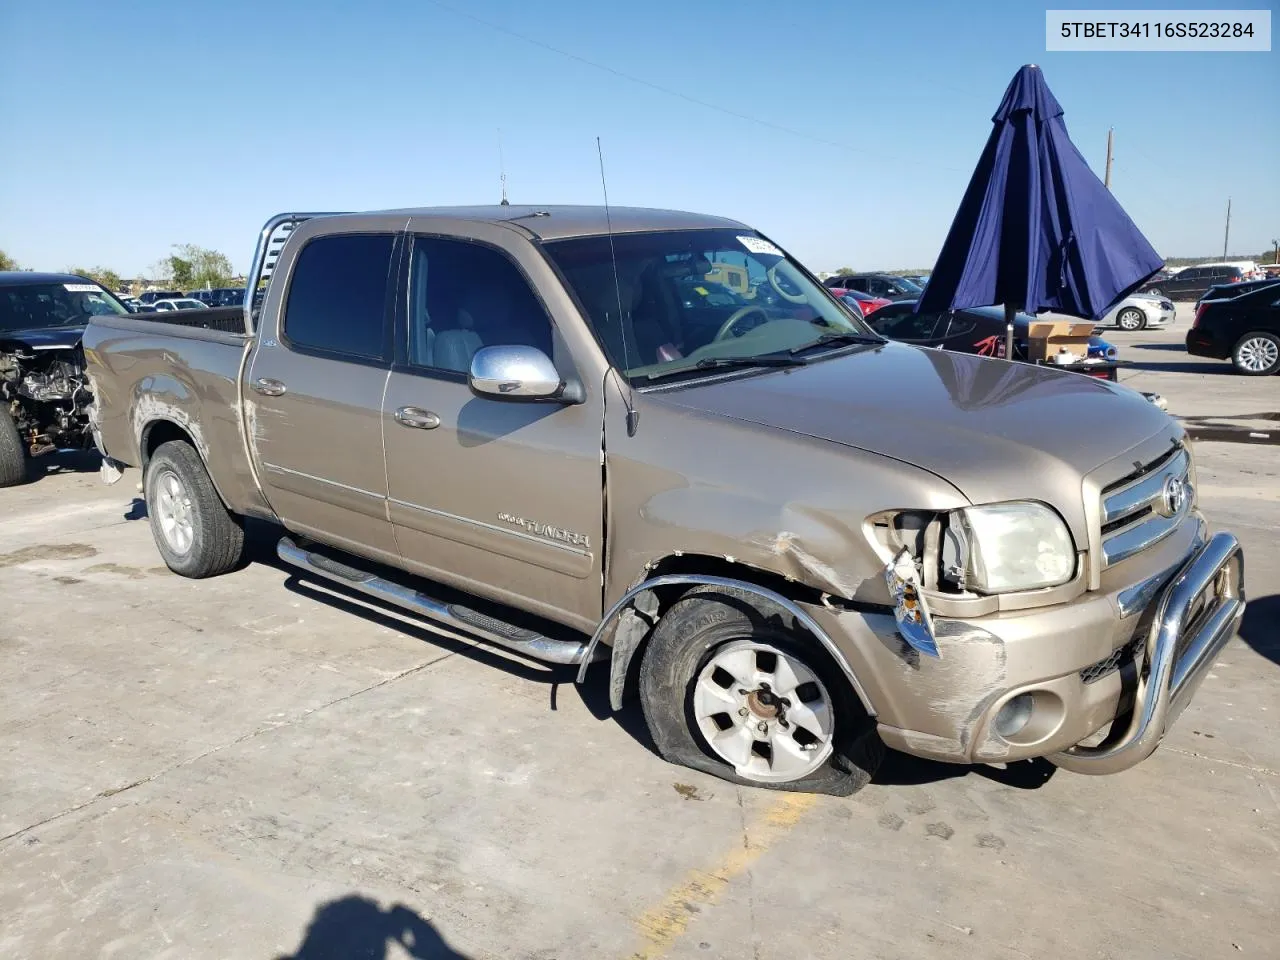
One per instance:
[(314, 391), (499, 497)]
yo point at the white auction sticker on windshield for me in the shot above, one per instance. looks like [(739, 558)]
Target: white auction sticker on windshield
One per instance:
[(760, 245), (80, 288)]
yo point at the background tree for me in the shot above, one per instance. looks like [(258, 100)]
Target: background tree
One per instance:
[(195, 267), (102, 275), (7, 262), (845, 272)]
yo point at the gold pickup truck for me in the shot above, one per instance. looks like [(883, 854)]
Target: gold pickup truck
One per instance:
[(795, 541)]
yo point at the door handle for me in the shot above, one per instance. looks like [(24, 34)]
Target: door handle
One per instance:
[(268, 387), (417, 418)]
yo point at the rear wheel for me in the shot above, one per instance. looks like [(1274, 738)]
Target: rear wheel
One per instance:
[(197, 536), (1257, 354), (13, 456), (746, 695), (1156, 292), (1131, 318)]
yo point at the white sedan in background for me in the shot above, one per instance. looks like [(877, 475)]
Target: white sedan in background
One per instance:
[(1138, 312), (180, 303)]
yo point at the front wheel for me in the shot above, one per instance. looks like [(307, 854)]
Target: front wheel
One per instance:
[(747, 696), (1257, 354), (1155, 292), (197, 536), (1131, 318), (13, 457)]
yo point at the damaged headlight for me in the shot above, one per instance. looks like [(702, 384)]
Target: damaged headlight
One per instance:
[(1003, 547)]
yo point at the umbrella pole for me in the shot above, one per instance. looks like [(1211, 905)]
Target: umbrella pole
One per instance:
[(1009, 312)]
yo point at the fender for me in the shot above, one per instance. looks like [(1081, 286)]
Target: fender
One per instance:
[(620, 660)]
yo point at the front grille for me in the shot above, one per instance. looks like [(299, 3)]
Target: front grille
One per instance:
[(1146, 506)]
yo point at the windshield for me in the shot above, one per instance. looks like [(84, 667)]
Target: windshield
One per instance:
[(686, 296), (36, 306)]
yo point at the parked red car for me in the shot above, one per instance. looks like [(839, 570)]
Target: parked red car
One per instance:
[(865, 301)]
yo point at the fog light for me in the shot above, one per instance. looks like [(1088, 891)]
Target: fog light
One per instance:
[(1013, 716)]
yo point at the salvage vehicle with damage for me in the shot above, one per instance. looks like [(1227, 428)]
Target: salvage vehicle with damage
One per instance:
[(43, 390), (794, 540)]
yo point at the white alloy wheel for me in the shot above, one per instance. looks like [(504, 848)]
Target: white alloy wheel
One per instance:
[(764, 712), (173, 510)]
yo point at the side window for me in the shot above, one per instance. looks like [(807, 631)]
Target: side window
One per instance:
[(960, 325), (856, 283), (464, 296), (338, 296)]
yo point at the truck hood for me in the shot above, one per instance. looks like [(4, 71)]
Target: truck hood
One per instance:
[(995, 430), (45, 338)]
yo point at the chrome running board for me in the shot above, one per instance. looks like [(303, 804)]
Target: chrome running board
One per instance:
[(464, 619)]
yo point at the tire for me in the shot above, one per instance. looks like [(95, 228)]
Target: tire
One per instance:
[(196, 535), (1257, 354), (1131, 318), (13, 455), (1156, 292), (714, 625)]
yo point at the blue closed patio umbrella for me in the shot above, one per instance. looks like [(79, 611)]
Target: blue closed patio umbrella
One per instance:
[(1037, 230)]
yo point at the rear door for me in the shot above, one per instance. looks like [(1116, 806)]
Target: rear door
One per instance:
[(1190, 282), (315, 385), (499, 497)]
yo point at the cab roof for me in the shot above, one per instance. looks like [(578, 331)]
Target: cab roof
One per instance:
[(564, 221), (24, 278)]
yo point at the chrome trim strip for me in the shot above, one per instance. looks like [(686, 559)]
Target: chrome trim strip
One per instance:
[(1139, 537), (276, 468), (763, 593), (493, 528), (1172, 678), (1144, 491)]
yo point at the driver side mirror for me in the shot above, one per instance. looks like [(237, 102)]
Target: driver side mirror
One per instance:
[(518, 373)]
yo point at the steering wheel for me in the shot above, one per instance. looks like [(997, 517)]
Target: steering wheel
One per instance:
[(727, 327), (772, 275)]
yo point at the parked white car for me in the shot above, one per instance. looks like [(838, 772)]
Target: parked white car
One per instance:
[(1138, 312), (180, 303)]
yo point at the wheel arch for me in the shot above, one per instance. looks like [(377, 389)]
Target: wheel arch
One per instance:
[(631, 619), (161, 430)]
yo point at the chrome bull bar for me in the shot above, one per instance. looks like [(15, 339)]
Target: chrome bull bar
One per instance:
[(1206, 596)]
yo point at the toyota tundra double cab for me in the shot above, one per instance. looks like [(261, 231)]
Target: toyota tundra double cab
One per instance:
[(795, 541)]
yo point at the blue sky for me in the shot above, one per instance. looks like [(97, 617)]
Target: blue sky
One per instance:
[(131, 127)]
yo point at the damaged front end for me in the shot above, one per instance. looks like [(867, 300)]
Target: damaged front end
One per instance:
[(46, 392)]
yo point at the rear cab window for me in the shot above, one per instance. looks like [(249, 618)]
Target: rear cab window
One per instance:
[(336, 304)]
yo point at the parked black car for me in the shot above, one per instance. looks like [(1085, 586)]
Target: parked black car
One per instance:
[(878, 285), (151, 296), (1240, 323), (44, 392), (979, 330), (219, 296), (1191, 283)]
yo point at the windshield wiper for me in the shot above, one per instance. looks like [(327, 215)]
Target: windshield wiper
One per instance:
[(715, 363), (828, 339)]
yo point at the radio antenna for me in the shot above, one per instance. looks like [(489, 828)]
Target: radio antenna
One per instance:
[(633, 415), (502, 170)]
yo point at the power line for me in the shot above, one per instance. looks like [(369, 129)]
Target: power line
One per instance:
[(705, 104)]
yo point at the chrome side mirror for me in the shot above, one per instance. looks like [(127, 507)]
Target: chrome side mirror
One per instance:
[(514, 373)]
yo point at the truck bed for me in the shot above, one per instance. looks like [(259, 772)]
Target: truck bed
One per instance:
[(164, 376)]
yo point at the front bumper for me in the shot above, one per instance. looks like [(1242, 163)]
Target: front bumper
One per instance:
[(1128, 650), (1198, 613)]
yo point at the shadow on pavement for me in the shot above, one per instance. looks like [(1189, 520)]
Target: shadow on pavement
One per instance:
[(357, 928), (1260, 628), (902, 770), (1172, 347), (261, 539), (62, 461)]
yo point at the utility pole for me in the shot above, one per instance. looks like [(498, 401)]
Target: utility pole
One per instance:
[(1275, 257), (1226, 237), (1111, 133)]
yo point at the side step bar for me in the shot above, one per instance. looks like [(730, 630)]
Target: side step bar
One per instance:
[(487, 628)]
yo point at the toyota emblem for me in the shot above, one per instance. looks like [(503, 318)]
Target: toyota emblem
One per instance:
[(1175, 496)]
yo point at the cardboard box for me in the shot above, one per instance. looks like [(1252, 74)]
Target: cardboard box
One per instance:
[(1044, 340)]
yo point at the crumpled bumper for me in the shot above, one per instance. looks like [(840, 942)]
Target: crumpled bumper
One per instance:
[(1196, 616)]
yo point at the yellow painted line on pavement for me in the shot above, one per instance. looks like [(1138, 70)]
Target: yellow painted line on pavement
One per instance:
[(662, 925)]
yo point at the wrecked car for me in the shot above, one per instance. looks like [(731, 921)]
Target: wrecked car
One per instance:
[(43, 390), (795, 541)]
